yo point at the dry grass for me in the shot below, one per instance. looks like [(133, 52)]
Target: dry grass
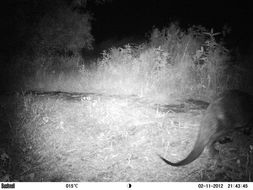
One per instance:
[(93, 137)]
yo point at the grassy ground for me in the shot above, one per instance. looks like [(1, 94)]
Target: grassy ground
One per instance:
[(58, 136)]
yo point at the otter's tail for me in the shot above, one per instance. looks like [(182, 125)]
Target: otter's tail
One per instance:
[(193, 155)]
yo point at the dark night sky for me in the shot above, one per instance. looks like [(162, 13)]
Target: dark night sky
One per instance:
[(122, 18), (138, 16)]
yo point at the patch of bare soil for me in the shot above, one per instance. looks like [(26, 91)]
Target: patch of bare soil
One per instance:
[(60, 136)]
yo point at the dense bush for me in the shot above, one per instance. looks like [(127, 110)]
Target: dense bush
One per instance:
[(172, 63)]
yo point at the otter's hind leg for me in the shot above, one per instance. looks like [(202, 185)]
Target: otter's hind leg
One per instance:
[(213, 152), (247, 130)]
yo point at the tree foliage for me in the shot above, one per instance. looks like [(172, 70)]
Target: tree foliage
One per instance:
[(62, 29)]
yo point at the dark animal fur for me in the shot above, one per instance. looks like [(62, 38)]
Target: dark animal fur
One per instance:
[(230, 112)]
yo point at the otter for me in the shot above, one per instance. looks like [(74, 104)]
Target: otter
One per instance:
[(230, 112)]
